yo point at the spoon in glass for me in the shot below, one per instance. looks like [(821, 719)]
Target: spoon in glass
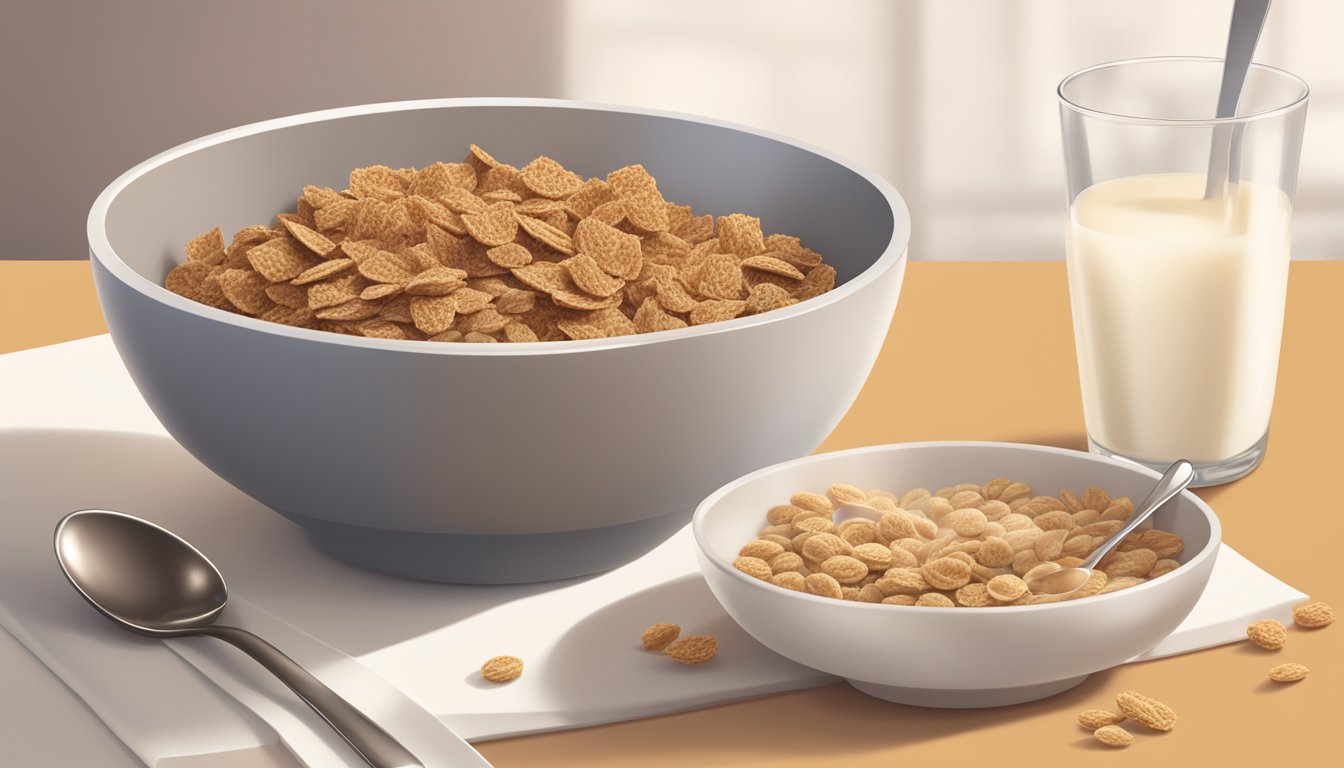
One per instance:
[(1248, 19), (149, 580), (1067, 580)]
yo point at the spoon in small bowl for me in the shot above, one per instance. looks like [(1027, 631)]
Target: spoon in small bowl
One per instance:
[(1067, 580), (149, 580)]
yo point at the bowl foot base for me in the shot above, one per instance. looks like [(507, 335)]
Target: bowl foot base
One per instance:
[(968, 698), (490, 559)]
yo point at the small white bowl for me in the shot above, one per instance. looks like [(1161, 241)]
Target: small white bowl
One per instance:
[(959, 657)]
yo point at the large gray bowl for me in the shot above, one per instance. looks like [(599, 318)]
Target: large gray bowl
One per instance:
[(494, 463)]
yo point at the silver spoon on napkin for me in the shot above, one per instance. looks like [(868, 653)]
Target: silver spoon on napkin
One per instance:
[(149, 580)]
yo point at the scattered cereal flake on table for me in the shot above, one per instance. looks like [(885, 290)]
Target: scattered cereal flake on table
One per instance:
[(1268, 634), (659, 636), (1092, 719), (1313, 615), (502, 669), (1146, 710), (1288, 673), (696, 649), (1113, 736)]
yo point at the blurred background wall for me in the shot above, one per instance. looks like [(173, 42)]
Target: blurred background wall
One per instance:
[(953, 100)]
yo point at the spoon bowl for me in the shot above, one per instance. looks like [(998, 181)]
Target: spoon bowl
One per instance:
[(148, 579), (138, 574), (1062, 582)]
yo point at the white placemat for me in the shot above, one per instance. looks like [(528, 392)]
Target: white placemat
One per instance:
[(98, 445)]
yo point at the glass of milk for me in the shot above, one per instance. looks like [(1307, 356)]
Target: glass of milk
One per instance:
[(1178, 285)]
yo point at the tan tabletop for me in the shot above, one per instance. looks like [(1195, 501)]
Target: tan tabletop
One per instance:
[(984, 351)]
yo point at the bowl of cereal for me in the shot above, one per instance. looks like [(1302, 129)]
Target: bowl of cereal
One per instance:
[(922, 592), (649, 292)]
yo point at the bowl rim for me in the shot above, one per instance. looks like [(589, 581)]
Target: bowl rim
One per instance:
[(711, 501), (103, 254)]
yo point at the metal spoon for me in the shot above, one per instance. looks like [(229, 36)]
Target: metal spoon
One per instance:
[(1067, 580), (149, 580), (1248, 18)]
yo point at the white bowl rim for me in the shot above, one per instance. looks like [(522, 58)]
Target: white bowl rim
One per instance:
[(698, 524), (100, 247)]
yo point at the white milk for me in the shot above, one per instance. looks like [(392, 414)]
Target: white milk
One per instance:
[(1177, 314)]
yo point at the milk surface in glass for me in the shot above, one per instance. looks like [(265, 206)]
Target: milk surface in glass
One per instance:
[(1178, 310)]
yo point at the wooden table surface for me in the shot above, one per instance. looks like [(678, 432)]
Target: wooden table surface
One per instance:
[(984, 351)]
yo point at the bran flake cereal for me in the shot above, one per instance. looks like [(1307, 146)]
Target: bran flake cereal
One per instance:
[(481, 251)]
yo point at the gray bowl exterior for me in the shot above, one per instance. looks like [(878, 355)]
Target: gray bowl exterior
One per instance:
[(457, 463), (954, 657)]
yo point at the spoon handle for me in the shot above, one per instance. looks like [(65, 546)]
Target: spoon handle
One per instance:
[(375, 745), (1248, 18), (1176, 479)]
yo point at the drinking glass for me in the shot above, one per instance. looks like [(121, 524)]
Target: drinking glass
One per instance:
[(1178, 241)]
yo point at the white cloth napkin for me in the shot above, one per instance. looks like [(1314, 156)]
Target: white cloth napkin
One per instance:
[(405, 652), (159, 705)]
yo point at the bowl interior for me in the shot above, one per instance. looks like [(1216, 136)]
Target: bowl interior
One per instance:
[(734, 514), (247, 175)]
